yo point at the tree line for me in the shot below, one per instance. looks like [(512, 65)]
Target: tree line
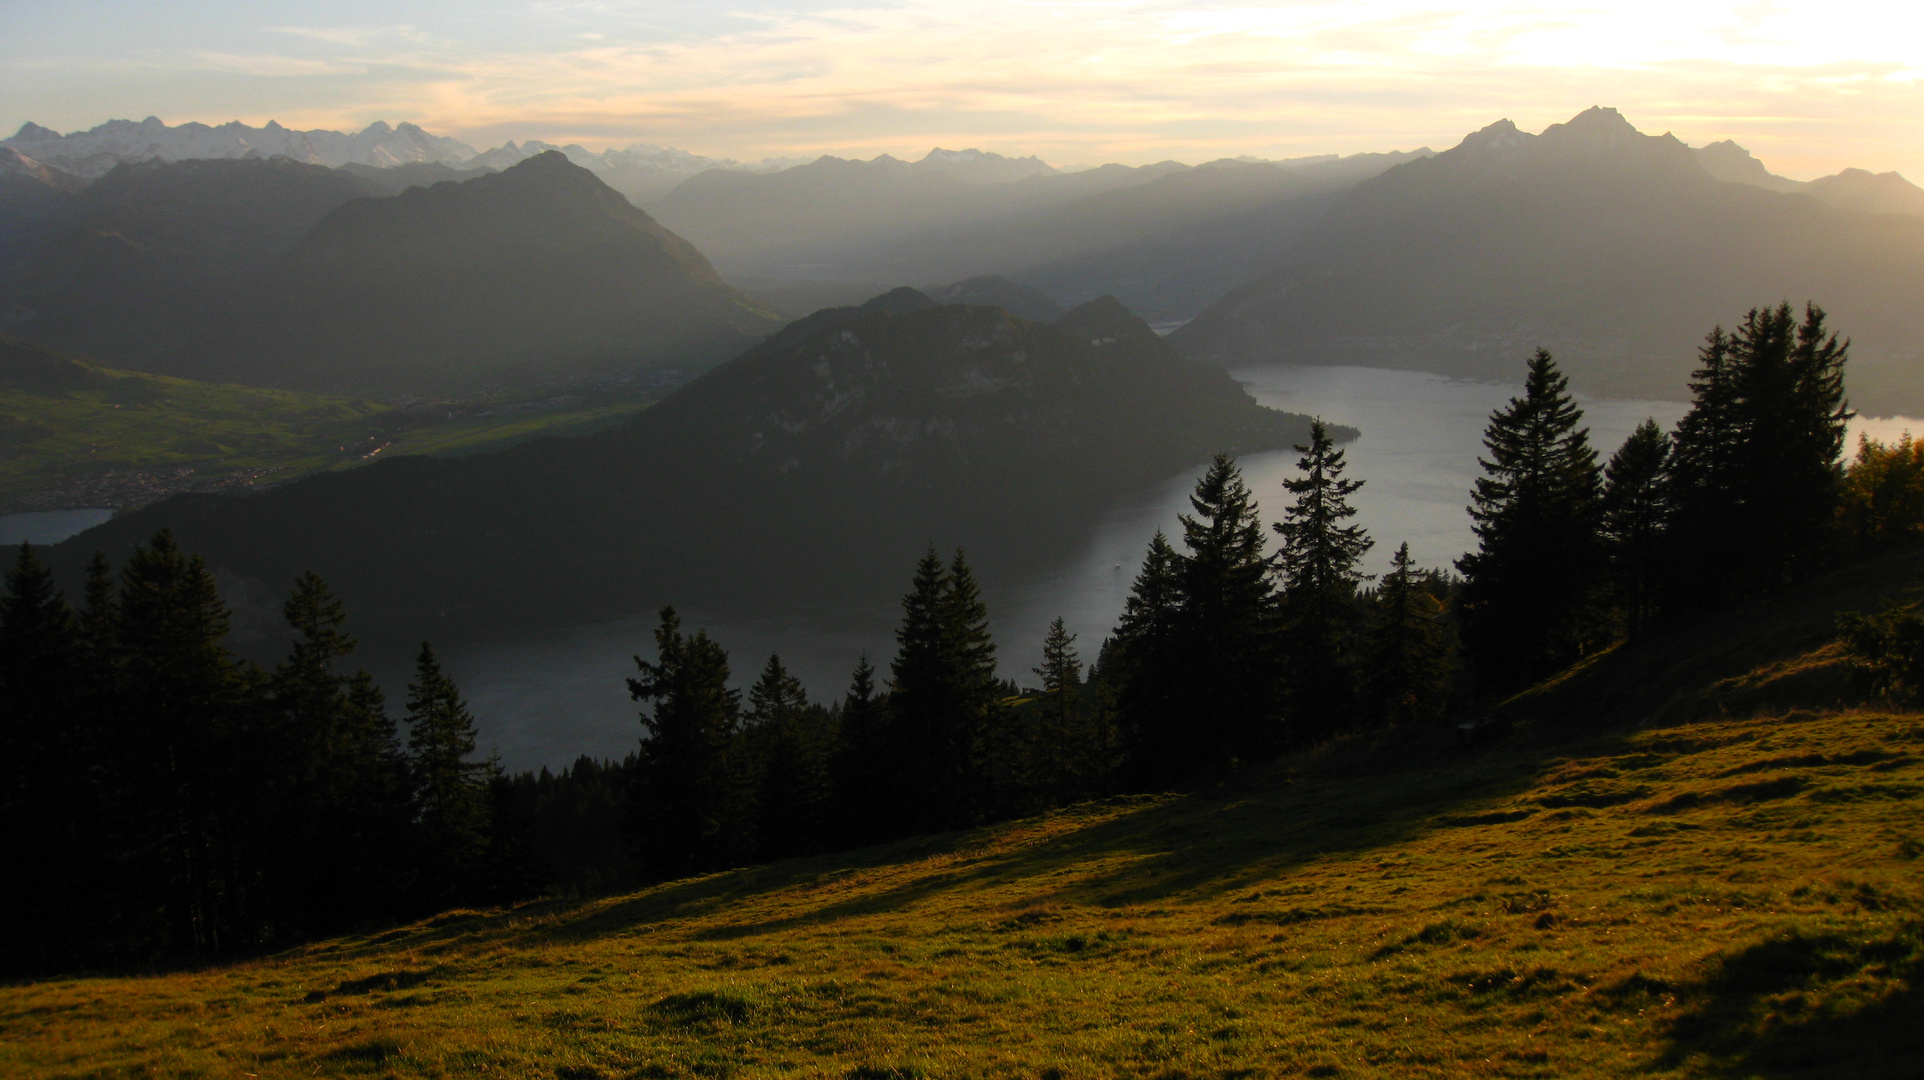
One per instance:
[(195, 805)]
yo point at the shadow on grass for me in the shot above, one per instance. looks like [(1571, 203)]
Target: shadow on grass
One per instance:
[(1809, 1006), (1146, 849), (1358, 795)]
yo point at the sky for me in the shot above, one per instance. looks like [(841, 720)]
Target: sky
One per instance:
[(1809, 87)]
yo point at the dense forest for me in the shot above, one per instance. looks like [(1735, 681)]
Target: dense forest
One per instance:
[(169, 803)]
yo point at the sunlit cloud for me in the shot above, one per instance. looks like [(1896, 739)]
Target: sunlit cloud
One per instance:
[(1809, 87)]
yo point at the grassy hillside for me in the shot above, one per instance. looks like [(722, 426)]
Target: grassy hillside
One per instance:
[(1736, 895), (74, 433)]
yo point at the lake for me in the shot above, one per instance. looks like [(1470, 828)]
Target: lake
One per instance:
[(545, 701), (49, 526)]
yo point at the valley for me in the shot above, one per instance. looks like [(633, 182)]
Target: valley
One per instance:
[(79, 434)]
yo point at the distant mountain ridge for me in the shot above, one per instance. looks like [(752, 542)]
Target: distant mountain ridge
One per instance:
[(93, 153), (541, 266), (845, 442), (274, 272), (1850, 189), (1615, 249)]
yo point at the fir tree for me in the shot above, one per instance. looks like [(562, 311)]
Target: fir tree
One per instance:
[(1407, 655), (944, 697), (1636, 512), (1530, 588), (689, 798), (178, 736), (1756, 473), (1226, 629), (450, 791), (1318, 560), (1069, 748), (860, 769), (794, 783), (1143, 663), (321, 845)]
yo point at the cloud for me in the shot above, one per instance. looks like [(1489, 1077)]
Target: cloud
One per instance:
[(1130, 80), (274, 66)]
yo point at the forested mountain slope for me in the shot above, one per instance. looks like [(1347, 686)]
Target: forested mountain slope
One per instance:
[(846, 442), (1612, 248)]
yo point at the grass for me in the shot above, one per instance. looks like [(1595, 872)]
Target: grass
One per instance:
[(105, 437), (1735, 897), (125, 421)]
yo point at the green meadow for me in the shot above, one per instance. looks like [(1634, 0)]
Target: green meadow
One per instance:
[(73, 431)]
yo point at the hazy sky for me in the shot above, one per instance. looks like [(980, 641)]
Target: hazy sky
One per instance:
[(1810, 87)]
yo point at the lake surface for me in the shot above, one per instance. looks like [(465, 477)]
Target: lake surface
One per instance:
[(546, 701), (49, 526)]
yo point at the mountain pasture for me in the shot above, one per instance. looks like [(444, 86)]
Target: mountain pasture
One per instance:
[(1733, 897)]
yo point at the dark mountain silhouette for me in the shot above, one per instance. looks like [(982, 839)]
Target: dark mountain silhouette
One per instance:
[(537, 269), (843, 444), (133, 264), (1614, 249)]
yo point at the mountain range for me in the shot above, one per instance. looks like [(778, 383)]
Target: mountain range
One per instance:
[(641, 172), (273, 272), (1616, 250), (842, 445)]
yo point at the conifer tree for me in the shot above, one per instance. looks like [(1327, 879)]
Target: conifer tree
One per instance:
[(331, 756), (1407, 655), (1069, 747), (1530, 589), (1756, 471), (944, 697), (1226, 629), (1636, 513), (450, 790), (794, 783), (177, 734), (689, 799), (860, 769), (1318, 559), (1144, 663)]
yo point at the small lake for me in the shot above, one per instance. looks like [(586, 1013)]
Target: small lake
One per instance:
[(49, 526), (545, 701)]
